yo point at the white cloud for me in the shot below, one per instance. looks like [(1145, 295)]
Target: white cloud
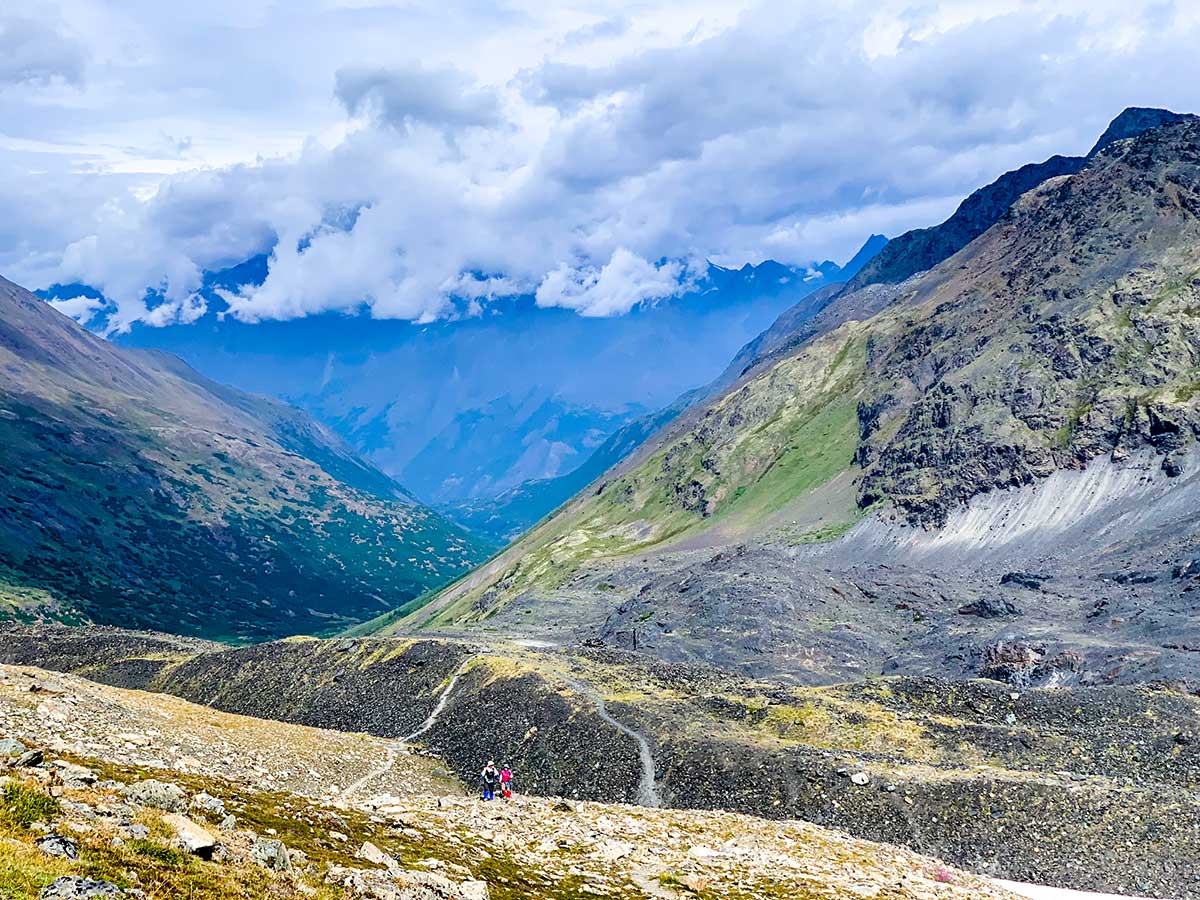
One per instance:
[(38, 51), (413, 94), (82, 308), (556, 148), (625, 281)]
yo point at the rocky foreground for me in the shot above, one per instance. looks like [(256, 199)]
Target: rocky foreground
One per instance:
[(1091, 788), (115, 793)]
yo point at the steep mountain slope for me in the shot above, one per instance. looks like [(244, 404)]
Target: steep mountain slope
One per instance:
[(135, 491), (1065, 334), (508, 442), (916, 251), (921, 249), (509, 514), (395, 389)]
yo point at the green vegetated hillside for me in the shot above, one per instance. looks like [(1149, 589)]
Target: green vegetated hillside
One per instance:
[(135, 492), (1069, 329)]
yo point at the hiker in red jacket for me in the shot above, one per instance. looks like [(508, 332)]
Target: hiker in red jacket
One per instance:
[(506, 782)]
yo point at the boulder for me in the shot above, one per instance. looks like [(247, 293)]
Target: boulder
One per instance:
[(271, 853), (74, 776), (990, 608), (158, 794), (28, 759), (208, 805), (373, 884), (611, 851), (374, 855), (189, 836), (57, 845), (73, 887), (1031, 580), (11, 747)]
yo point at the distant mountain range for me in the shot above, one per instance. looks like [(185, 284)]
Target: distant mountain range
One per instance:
[(464, 411), (135, 491)]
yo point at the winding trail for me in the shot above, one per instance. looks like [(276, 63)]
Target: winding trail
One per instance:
[(647, 790), (393, 751), (441, 704), (372, 775)]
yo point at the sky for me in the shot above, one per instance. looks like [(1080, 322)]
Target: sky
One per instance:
[(405, 158)]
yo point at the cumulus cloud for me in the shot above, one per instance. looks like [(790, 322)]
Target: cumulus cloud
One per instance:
[(82, 308), (588, 159), (613, 290), (38, 52), (410, 94)]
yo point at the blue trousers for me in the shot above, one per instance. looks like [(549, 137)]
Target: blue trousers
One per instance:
[(489, 793)]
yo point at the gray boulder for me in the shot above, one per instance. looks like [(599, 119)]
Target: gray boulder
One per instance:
[(74, 776), (28, 759), (189, 836), (990, 608), (271, 854), (73, 887), (57, 845), (158, 794), (11, 747), (208, 805)]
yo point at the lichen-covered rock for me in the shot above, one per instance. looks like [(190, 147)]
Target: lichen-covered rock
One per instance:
[(271, 853), (208, 805), (74, 776), (158, 794), (11, 747), (74, 887), (57, 845)]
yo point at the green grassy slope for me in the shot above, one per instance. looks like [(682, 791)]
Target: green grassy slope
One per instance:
[(786, 432), (134, 492)]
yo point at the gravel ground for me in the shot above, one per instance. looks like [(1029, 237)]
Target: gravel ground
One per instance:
[(70, 714)]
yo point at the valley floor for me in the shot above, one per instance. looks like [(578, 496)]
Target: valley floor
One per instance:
[(410, 835)]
